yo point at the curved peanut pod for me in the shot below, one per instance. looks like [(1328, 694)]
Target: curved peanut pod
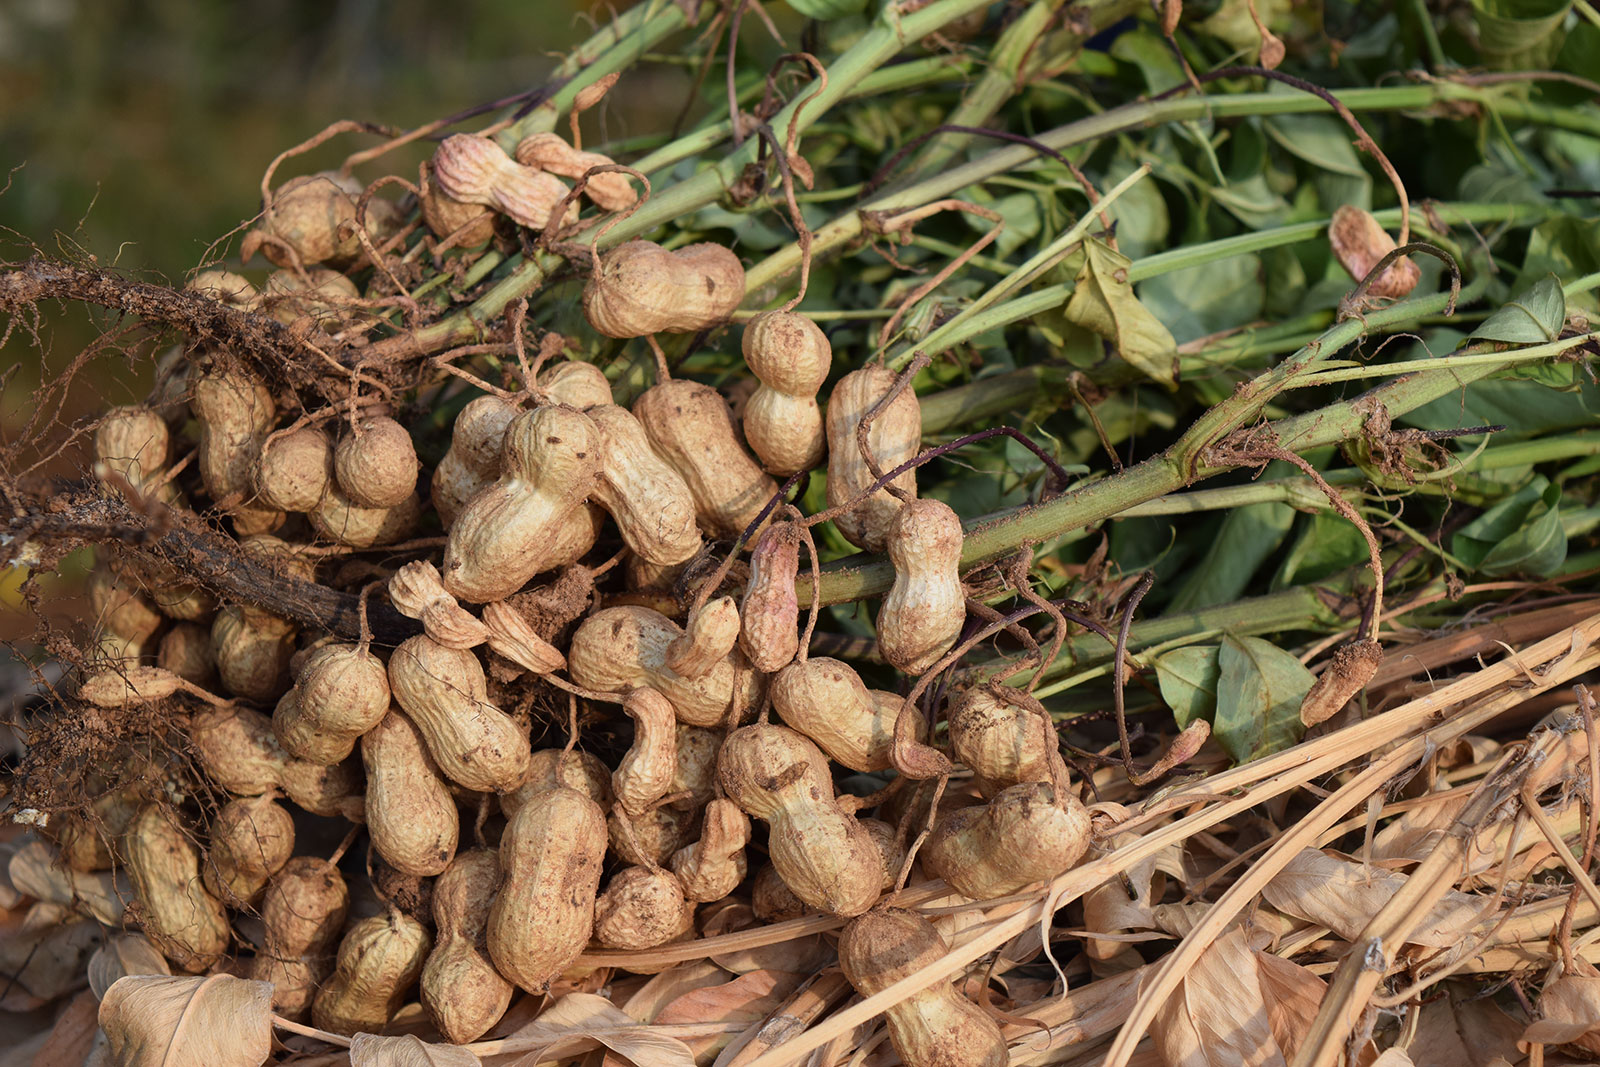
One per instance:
[(410, 812), (1024, 835), (444, 692), (622, 648), (653, 507)]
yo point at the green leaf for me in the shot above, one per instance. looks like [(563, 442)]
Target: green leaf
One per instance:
[(1520, 34), (1232, 23), (1535, 316), (1249, 535), (1103, 301), (827, 10), (1522, 534), (1320, 140), (1140, 214), (1145, 49), (1188, 680), (1200, 301), (1326, 544), (1259, 691), (1568, 247)]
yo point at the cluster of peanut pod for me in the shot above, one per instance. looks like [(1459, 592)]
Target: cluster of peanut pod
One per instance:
[(532, 856)]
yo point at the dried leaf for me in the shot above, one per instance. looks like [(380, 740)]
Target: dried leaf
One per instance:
[(1344, 896), (1292, 995), (73, 1035), (1217, 1016), (1464, 1031), (747, 999), (1569, 1014), (662, 989), (1394, 1056), (216, 1021), (369, 1050), (45, 956), (124, 955), (579, 1022), (1272, 50), (36, 870)]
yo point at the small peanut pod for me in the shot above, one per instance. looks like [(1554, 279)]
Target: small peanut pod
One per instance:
[(252, 650), (782, 421), (295, 470), (417, 592), (935, 1027), (712, 630), (713, 866), (690, 427), (444, 215), (641, 288), (473, 461), (576, 384), (184, 921), (922, 616), (772, 900), (821, 851), (131, 442), (445, 693), (341, 519), (649, 840), (376, 463), (654, 509), (235, 409), (696, 771), (1025, 834), (186, 652), (552, 767), (622, 648), (462, 991), (131, 685), (893, 437), (124, 617), (474, 170), (512, 636), (551, 855), (645, 771), (379, 961), (327, 791), (302, 912), (826, 700), (240, 753), (642, 908), (342, 693), (411, 814), (549, 151), (1006, 737), (251, 840), (506, 534), (769, 617), (314, 214)]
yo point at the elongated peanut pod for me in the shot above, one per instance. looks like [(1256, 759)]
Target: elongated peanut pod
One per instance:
[(894, 437), (462, 991), (379, 961), (645, 772), (418, 592), (251, 840), (410, 812), (652, 505), (791, 357), (444, 692), (690, 427), (640, 288), (770, 615), (302, 912), (184, 921), (622, 648), (826, 700)]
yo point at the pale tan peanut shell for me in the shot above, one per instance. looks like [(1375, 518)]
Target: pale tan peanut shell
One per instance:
[(185, 922), (341, 519), (186, 652), (379, 961), (645, 770), (791, 357), (237, 749), (689, 426), (622, 648), (1359, 242), (322, 790), (769, 617), (641, 288), (922, 616), (376, 463), (444, 215), (417, 591), (576, 384), (87, 841), (1005, 736), (251, 839), (315, 215), (550, 856), (225, 287), (652, 506), (444, 692), (642, 908), (506, 534), (696, 769), (302, 912), (552, 767), (342, 693), (651, 838), (252, 650), (826, 700), (822, 853), (711, 631), (129, 685), (475, 170), (549, 151), (1023, 835), (890, 848), (322, 297), (293, 470), (473, 460), (894, 437), (772, 900), (713, 866), (936, 1026), (410, 812), (512, 636), (461, 989), (235, 409), (131, 442)]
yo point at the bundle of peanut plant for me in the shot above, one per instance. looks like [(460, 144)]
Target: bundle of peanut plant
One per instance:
[(1015, 534)]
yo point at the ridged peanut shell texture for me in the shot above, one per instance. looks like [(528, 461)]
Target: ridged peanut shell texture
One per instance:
[(622, 648), (473, 461), (132, 441), (302, 912), (1021, 836), (251, 840), (411, 814), (444, 692), (689, 426), (377, 463), (894, 437), (184, 920), (654, 509), (822, 852), (509, 532), (379, 961), (294, 470), (462, 991), (826, 700), (550, 856), (1005, 736), (790, 356), (641, 288), (922, 616), (769, 617), (552, 767), (642, 909), (342, 693), (934, 1027)]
